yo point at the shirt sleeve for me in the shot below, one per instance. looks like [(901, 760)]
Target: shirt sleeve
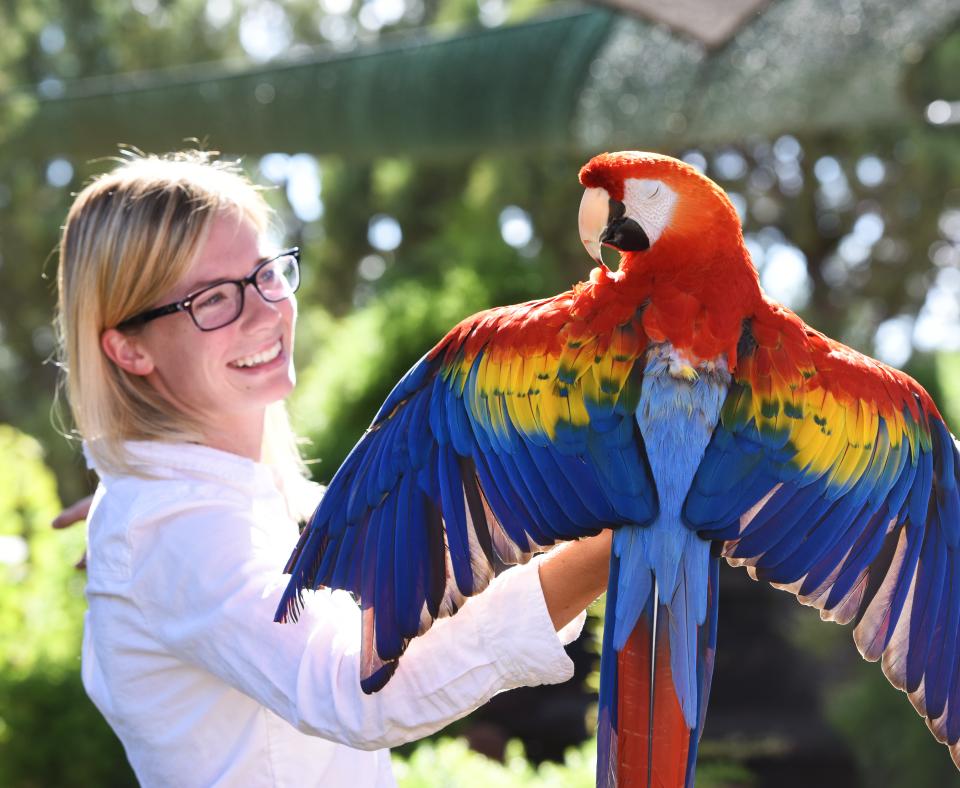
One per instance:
[(209, 585)]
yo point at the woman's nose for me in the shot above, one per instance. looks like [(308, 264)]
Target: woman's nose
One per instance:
[(256, 309)]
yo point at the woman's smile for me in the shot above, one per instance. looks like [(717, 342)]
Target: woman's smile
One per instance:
[(261, 359)]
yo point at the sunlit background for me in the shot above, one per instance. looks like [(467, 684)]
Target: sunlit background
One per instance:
[(424, 154)]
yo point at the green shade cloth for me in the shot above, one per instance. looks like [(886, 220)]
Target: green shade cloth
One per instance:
[(509, 87), (583, 81)]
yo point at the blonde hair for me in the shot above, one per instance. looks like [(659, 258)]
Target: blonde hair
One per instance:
[(131, 235)]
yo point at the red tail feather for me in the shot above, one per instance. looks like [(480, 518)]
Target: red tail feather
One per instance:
[(652, 748)]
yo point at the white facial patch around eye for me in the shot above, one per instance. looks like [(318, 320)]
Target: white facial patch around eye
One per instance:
[(649, 203)]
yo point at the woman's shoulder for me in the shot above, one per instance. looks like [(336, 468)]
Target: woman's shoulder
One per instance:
[(159, 479), (128, 509), (180, 496)]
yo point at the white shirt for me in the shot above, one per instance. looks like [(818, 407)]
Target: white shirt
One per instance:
[(181, 655)]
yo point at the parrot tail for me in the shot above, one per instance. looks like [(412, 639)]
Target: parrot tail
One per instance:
[(643, 737)]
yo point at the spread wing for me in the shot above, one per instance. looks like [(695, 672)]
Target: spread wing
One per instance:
[(515, 431), (834, 477)]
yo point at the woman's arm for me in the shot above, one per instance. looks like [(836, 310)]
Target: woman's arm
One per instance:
[(573, 575), (74, 513), (209, 594)]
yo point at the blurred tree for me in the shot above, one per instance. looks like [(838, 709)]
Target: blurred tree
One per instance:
[(50, 733)]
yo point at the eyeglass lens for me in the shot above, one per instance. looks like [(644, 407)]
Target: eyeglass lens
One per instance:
[(221, 304)]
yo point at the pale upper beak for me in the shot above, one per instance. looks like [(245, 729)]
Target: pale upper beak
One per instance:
[(594, 214)]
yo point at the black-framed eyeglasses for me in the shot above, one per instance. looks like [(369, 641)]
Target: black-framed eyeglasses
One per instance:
[(218, 305)]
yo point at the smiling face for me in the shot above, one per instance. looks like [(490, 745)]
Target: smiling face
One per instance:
[(225, 378)]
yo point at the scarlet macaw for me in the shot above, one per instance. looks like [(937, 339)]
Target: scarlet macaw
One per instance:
[(672, 401)]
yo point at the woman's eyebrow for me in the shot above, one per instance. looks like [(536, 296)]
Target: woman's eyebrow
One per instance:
[(204, 283), (195, 286)]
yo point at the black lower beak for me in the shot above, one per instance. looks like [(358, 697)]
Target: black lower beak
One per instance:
[(625, 235)]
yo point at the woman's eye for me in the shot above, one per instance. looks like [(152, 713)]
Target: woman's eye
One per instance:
[(213, 299)]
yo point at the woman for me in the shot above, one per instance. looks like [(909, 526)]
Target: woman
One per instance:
[(177, 327)]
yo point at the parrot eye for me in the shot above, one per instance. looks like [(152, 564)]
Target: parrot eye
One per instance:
[(644, 189), (650, 203)]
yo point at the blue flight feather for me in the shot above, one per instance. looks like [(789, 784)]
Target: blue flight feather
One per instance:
[(455, 517), (825, 566), (437, 413), (329, 552), (575, 485), (458, 423), (346, 572), (861, 555), (388, 639), (508, 507), (953, 721), (536, 466), (901, 589), (411, 382), (942, 668), (379, 478), (926, 605), (412, 555), (531, 487), (945, 470), (805, 506), (792, 559), (919, 496), (625, 476)]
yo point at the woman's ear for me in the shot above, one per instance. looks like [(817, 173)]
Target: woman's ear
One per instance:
[(126, 352)]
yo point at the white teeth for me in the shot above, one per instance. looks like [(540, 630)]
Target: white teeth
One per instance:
[(259, 358)]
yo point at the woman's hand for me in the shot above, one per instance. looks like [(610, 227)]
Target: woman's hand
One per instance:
[(574, 574), (74, 513)]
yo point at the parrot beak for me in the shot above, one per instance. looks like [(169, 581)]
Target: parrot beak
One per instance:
[(594, 211)]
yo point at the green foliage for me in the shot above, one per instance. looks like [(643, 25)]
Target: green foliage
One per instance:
[(935, 77), (890, 740), (450, 763), (41, 605), (50, 733), (948, 379), (352, 368)]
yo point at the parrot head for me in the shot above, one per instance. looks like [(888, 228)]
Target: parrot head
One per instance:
[(636, 201)]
